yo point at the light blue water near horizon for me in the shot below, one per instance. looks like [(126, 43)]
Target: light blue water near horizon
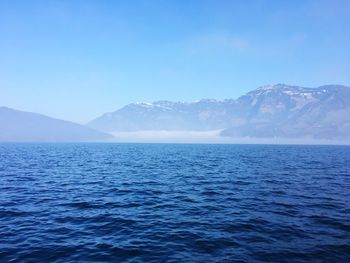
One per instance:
[(174, 202)]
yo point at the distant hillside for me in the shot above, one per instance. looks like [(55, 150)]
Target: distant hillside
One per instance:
[(269, 111), (294, 112), (19, 126)]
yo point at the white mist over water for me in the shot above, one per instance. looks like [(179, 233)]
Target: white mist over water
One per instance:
[(169, 136), (213, 136)]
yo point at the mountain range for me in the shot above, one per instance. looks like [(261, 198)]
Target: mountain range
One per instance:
[(272, 111)]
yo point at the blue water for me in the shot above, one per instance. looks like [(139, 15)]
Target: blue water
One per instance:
[(174, 203)]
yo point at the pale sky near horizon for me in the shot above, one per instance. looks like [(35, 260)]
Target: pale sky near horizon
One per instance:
[(75, 60)]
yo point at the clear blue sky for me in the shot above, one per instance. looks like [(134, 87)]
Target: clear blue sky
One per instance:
[(78, 59)]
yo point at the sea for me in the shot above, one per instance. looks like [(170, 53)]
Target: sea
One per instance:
[(110, 202)]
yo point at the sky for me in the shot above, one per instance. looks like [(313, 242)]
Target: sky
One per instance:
[(76, 60)]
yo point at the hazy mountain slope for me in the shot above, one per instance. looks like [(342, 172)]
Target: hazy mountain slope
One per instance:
[(270, 111), (294, 112), (24, 126), (166, 115)]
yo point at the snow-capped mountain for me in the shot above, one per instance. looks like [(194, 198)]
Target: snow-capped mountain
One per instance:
[(166, 115), (290, 111), (269, 111)]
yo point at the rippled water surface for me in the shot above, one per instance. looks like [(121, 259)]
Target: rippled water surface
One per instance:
[(174, 203)]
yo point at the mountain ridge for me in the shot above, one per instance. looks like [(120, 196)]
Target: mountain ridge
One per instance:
[(278, 110), (22, 126)]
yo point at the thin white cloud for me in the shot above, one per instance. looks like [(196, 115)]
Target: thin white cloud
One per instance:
[(225, 43), (215, 42)]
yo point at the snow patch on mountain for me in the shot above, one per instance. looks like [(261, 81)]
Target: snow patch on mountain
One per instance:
[(271, 110)]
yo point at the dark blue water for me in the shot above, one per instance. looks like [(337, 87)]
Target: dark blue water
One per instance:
[(174, 203)]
